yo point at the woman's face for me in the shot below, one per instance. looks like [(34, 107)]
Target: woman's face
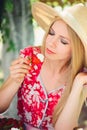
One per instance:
[(58, 42)]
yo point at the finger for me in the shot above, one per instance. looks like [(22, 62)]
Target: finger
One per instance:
[(16, 71), (16, 61), (18, 78), (20, 60), (26, 60), (20, 66)]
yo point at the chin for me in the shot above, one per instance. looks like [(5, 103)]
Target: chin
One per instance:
[(50, 57)]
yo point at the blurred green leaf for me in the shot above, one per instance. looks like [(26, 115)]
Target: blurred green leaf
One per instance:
[(11, 46), (9, 5)]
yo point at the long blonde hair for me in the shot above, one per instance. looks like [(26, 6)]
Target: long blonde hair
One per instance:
[(76, 64)]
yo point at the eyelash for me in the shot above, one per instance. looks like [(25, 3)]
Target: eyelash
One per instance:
[(61, 39), (51, 33)]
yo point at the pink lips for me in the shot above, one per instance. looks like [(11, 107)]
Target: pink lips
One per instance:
[(49, 51)]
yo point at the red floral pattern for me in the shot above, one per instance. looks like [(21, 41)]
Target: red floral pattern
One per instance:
[(8, 123), (35, 105)]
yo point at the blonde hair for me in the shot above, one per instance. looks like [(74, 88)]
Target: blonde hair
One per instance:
[(76, 64)]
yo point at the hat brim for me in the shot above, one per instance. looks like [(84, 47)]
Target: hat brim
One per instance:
[(41, 13)]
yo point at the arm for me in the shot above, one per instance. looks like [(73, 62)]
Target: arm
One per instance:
[(18, 70), (68, 118)]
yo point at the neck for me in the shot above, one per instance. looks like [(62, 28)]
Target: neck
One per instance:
[(56, 66)]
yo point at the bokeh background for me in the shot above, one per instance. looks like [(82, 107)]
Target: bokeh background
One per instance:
[(18, 29)]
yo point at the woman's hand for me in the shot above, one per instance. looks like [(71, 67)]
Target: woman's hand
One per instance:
[(18, 69), (73, 104)]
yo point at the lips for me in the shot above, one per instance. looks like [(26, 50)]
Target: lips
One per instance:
[(49, 51)]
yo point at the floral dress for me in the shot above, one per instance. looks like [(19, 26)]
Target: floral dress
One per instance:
[(35, 105)]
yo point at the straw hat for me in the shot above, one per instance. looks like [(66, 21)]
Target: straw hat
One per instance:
[(75, 16)]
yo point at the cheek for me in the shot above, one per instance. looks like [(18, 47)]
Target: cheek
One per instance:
[(48, 39), (46, 42), (65, 53), (68, 54)]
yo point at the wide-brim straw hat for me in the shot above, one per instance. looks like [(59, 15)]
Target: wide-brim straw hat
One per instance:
[(75, 16)]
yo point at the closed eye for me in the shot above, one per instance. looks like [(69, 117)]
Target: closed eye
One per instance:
[(51, 32), (63, 41)]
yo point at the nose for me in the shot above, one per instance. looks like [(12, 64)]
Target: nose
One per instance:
[(53, 41)]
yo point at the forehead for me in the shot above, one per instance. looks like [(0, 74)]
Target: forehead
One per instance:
[(59, 23), (60, 27)]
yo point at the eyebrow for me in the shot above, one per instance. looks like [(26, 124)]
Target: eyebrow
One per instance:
[(51, 29), (61, 35), (64, 37)]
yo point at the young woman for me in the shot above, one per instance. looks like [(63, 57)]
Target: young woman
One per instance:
[(51, 80)]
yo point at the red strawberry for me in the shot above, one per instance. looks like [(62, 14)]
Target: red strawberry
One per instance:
[(35, 60)]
